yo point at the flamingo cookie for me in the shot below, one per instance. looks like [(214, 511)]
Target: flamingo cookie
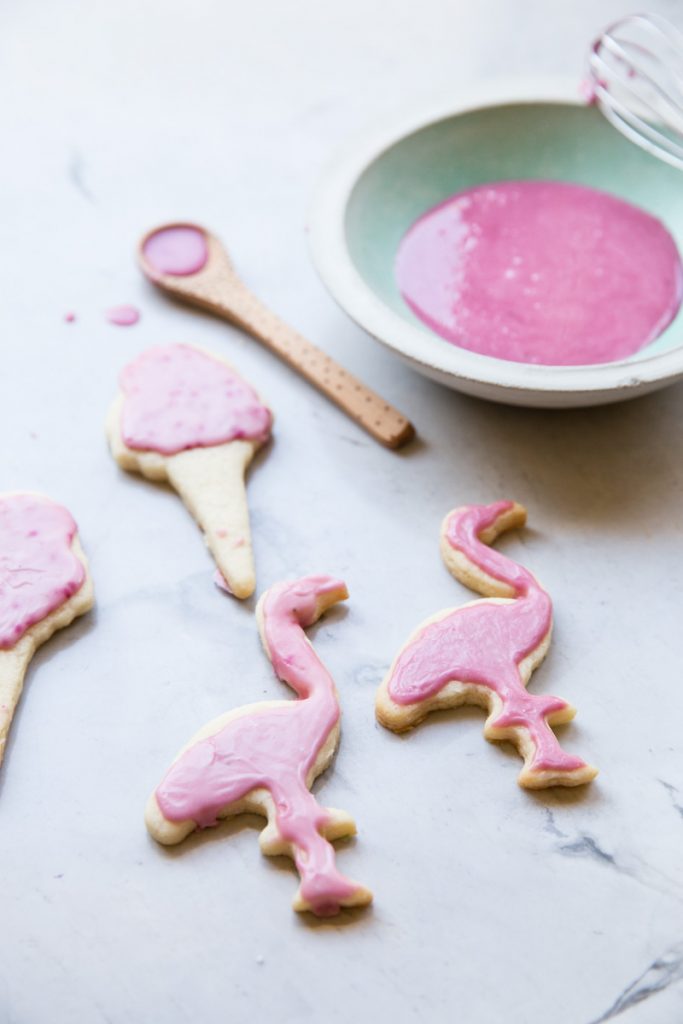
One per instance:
[(484, 652), (263, 758), (185, 416), (44, 585)]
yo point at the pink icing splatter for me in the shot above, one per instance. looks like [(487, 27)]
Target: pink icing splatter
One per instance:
[(38, 569), (178, 250), (484, 643), (123, 316), (177, 397), (69, 317), (587, 91), (541, 272), (221, 582), (274, 748)]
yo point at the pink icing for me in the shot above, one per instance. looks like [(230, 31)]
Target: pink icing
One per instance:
[(69, 317), (484, 643), (38, 569), (123, 316), (587, 92), (177, 397), (221, 582), (179, 250), (541, 272), (273, 748)]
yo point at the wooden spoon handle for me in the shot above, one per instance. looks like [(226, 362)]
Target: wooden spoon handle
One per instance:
[(217, 287), (385, 423)]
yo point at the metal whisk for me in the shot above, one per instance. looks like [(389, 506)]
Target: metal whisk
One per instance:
[(636, 70)]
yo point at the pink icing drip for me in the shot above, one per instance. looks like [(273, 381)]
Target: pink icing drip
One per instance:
[(541, 272), (123, 316), (221, 582), (69, 317), (484, 643), (179, 251), (587, 91), (273, 748), (177, 397), (38, 569)]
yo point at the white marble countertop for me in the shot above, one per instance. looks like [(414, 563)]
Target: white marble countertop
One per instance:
[(491, 903)]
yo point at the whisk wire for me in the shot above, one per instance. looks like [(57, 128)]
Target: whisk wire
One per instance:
[(608, 77), (639, 131), (637, 71)]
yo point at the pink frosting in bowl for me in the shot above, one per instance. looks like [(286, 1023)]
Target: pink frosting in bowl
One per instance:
[(530, 128)]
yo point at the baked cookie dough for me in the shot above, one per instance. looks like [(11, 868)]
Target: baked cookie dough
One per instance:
[(484, 652)]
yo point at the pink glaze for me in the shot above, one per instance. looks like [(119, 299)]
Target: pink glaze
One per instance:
[(484, 643), (221, 582), (177, 397), (541, 272), (38, 569), (123, 316), (587, 91), (179, 251), (69, 317), (274, 748)]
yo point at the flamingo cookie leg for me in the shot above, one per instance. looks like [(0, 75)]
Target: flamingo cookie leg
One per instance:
[(186, 417), (44, 584), (485, 652), (264, 757)]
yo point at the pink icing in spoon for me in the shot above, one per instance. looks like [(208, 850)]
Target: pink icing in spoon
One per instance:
[(179, 250), (176, 397), (38, 568), (274, 747), (541, 272)]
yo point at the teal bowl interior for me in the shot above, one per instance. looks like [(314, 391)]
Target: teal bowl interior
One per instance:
[(560, 141)]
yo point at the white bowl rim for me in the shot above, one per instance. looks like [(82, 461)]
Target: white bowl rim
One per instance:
[(419, 346)]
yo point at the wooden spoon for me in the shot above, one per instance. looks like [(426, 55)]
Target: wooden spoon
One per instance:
[(210, 282)]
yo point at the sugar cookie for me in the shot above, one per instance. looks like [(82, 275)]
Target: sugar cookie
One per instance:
[(484, 652), (185, 416), (263, 758), (44, 585)]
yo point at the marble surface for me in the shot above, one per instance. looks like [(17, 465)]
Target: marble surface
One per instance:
[(491, 903)]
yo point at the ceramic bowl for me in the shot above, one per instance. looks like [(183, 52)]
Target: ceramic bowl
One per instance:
[(380, 184)]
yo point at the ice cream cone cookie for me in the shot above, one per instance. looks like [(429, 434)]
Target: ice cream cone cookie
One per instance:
[(263, 758), (484, 652), (185, 416), (44, 585)]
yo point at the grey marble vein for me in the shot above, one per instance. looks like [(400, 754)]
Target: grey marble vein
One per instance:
[(586, 846), (76, 172), (673, 794), (666, 970)]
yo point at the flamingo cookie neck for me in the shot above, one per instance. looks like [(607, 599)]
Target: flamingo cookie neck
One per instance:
[(463, 535), (485, 652), (287, 609), (265, 757), (177, 397), (38, 568)]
